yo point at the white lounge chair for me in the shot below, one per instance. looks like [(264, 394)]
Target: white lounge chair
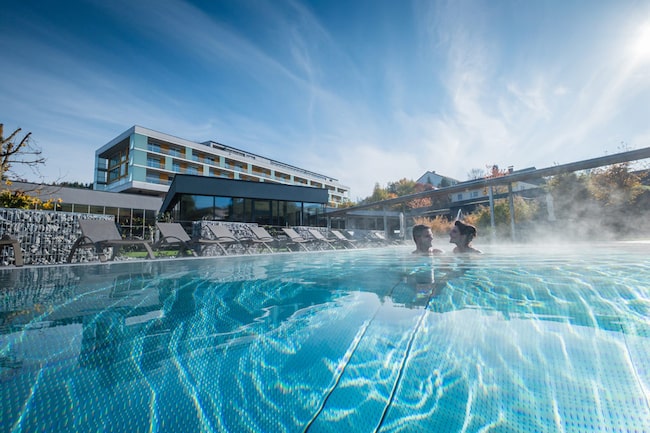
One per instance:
[(322, 239), (261, 236), (224, 238), (343, 240), (296, 239)]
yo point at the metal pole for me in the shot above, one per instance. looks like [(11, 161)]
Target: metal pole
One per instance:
[(386, 223), (491, 196), (512, 212)]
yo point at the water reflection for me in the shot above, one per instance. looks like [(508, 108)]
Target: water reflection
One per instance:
[(235, 339), (134, 319)]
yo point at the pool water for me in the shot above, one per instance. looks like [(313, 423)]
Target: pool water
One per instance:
[(515, 340)]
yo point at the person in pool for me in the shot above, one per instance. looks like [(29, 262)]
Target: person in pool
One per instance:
[(461, 235), (423, 238)]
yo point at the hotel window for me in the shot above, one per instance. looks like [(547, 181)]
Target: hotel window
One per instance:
[(222, 208), (155, 162), (153, 178), (118, 165), (282, 176), (474, 194), (221, 173), (262, 212), (153, 147), (294, 213), (264, 172), (459, 197), (236, 165), (174, 151)]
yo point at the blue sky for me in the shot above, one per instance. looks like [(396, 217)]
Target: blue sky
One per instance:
[(364, 91)]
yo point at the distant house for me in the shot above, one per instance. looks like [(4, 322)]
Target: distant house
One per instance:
[(437, 180), (480, 194)]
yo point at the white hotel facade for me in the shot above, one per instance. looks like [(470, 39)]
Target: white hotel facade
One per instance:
[(144, 161)]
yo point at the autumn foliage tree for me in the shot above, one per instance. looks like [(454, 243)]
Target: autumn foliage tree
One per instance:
[(615, 185), (401, 188)]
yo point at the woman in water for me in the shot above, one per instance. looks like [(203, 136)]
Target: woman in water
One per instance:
[(461, 235)]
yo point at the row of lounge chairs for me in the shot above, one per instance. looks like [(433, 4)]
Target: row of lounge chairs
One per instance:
[(103, 235)]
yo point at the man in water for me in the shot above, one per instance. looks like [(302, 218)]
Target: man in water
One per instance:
[(423, 238)]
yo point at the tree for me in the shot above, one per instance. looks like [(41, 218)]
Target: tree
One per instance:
[(25, 153), (422, 201), (525, 211), (476, 173), (75, 184), (402, 187), (615, 185), (21, 152), (571, 196), (379, 194)]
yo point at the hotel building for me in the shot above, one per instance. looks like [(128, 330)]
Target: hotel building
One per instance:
[(143, 161)]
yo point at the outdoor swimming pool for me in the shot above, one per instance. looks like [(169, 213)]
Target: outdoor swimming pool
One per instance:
[(515, 340)]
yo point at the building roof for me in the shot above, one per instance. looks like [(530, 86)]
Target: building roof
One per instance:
[(87, 196), (212, 186), (434, 178)]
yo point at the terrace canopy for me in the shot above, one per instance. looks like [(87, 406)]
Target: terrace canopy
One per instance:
[(193, 198)]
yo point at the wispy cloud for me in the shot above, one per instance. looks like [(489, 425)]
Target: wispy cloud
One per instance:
[(383, 91)]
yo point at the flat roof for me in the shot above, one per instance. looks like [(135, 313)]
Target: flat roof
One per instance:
[(212, 186), (88, 196)]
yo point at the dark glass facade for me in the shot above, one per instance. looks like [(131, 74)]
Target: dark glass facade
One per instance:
[(194, 198), (194, 207)]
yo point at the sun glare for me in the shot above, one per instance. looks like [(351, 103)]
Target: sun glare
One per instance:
[(640, 47)]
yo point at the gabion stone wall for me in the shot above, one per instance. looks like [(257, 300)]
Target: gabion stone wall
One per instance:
[(46, 237)]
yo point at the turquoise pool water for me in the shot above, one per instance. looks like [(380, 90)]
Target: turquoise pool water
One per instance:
[(515, 340)]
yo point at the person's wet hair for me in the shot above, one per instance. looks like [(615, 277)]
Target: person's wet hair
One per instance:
[(419, 229), (466, 229)]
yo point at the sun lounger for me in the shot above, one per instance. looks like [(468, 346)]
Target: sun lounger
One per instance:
[(173, 234), (102, 234), (7, 240), (385, 240), (378, 237), (261, 236), (322, 239), (224, 238), (343, 240), (296, 239)]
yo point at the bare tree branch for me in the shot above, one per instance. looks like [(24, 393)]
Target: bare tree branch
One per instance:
[(23, 152)]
